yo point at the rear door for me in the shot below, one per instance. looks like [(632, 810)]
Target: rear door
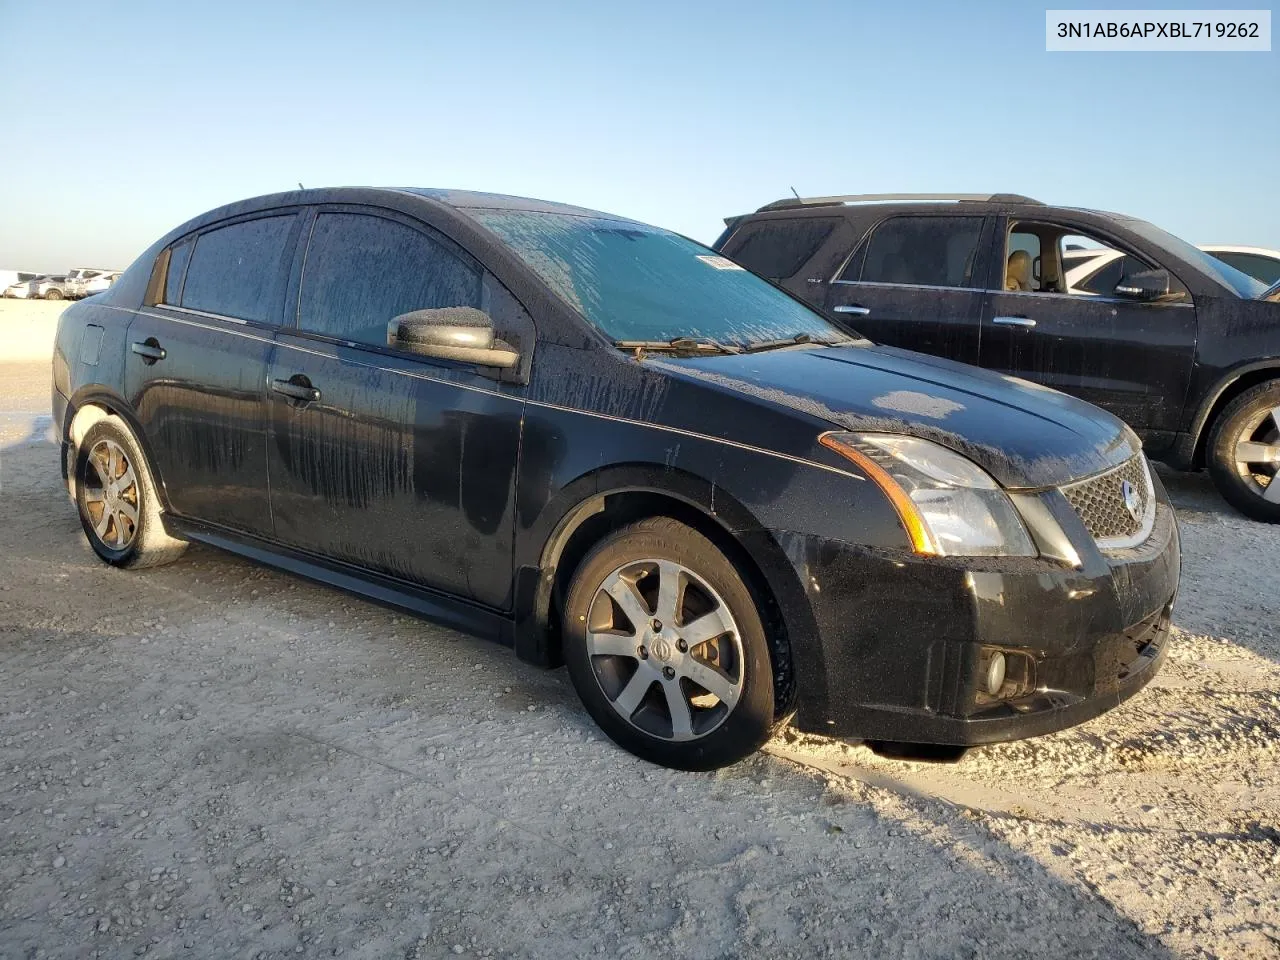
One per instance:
[(911, 283), (380, 458), (196, 371), (1129, 357)]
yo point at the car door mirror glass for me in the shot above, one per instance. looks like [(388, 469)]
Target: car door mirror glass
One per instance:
[(1145, 285), (451, 333)]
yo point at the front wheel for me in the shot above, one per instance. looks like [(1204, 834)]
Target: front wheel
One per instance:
[(1244, 452), (666, 648), (53, 295)]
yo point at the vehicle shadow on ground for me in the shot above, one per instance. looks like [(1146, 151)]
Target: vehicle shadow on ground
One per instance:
[(280, 765)]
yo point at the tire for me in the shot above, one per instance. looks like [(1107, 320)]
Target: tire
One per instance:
[(633, 676), (109, 448), (53, 295), (1243, 452)]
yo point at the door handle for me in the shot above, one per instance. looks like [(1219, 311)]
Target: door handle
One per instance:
[(850, 308), (296, 391), (149, 350), (1014, 321)]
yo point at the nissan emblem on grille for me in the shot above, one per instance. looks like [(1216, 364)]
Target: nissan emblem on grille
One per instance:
[(1115, 506), (1130, 497)]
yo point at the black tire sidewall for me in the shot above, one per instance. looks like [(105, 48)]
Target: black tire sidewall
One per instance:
[(752, 719), (1220, 452), (106, 430)]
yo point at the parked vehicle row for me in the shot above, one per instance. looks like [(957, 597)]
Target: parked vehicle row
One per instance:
[(79, 283), (1177, 343), (611, 447)]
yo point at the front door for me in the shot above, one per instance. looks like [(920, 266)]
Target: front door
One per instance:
[(1131, 358), (913, 284), (195, 373), (380, 458)]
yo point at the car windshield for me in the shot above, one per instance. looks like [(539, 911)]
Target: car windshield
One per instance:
[(1237, 280), (639, 283)]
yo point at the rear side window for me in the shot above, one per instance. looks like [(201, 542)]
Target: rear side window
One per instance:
[(178, 258), (1260, 268), (776, 249), (363, 271), (235, 271), (928, 251)]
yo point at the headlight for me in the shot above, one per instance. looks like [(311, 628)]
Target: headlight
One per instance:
[(949, 505)]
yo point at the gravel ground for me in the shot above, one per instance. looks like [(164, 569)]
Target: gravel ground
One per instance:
[(214, 759)]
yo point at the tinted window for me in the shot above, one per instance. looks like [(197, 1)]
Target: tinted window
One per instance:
[(178, 257), (778, 248), (362, 271), (636, 282), (931, 251), (235, 270), (1104, 282), (1260, 268)]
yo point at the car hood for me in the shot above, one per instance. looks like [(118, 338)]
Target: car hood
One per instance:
[(1023, 434)]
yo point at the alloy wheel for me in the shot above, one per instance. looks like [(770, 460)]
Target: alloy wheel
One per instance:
[(1257, 454), (665, 649), (111, 495)]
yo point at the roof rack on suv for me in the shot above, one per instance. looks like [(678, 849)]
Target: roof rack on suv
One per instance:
[(792, 202)]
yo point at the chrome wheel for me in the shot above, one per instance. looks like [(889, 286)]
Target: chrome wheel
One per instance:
[(111, 495), (665, 649), (1257, 454)]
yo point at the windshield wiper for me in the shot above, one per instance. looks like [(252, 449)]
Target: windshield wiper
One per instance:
[(694, 345), (799, 338)]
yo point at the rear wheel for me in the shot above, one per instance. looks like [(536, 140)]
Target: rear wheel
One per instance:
[(54, 294), (666, 648), (1244, 452), (117, 500)]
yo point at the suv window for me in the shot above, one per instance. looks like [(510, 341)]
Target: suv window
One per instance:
[(928, 251), (235, 270), (362, 271), (776, 249)]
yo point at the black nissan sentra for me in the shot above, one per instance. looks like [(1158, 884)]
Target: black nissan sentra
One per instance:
[(606, 446)]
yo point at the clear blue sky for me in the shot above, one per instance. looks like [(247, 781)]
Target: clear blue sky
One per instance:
[(122, 120)]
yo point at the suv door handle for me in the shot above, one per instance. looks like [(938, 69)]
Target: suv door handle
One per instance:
[(1014, 321), (149, 350), (296, 391), (853, 309)]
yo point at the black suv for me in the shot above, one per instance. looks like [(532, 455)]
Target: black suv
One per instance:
[(1180, 345)]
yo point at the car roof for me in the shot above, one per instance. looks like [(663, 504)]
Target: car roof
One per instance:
[(465, 200), (1237, 248)]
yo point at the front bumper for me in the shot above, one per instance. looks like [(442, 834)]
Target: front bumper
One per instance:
[(900, 644)]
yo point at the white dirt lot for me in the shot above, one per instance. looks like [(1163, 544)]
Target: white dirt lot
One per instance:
[(214, 759)]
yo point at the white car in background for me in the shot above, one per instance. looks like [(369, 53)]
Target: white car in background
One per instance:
[(79, 278), (98, 284), (1097, 270), (10, 279)]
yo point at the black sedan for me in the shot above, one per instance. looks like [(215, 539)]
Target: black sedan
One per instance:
[(606, 446)]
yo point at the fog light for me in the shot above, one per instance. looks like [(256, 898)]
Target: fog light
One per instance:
[(995, 674)]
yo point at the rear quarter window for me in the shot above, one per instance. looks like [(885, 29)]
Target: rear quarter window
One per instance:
[(777, 249), (235, 271)]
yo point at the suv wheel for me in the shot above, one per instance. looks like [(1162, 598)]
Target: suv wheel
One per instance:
[(117, 500), (53, 294), (1244, 452), (666, 648)]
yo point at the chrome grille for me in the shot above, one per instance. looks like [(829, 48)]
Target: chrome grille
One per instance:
[(1100, 501)]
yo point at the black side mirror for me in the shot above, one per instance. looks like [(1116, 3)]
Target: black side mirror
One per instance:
[(452, 333), (1145, 285)]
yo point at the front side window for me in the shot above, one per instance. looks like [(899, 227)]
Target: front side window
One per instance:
[(363, 271), (639, 283), (235, 271), (925, 251), (776, 249)]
